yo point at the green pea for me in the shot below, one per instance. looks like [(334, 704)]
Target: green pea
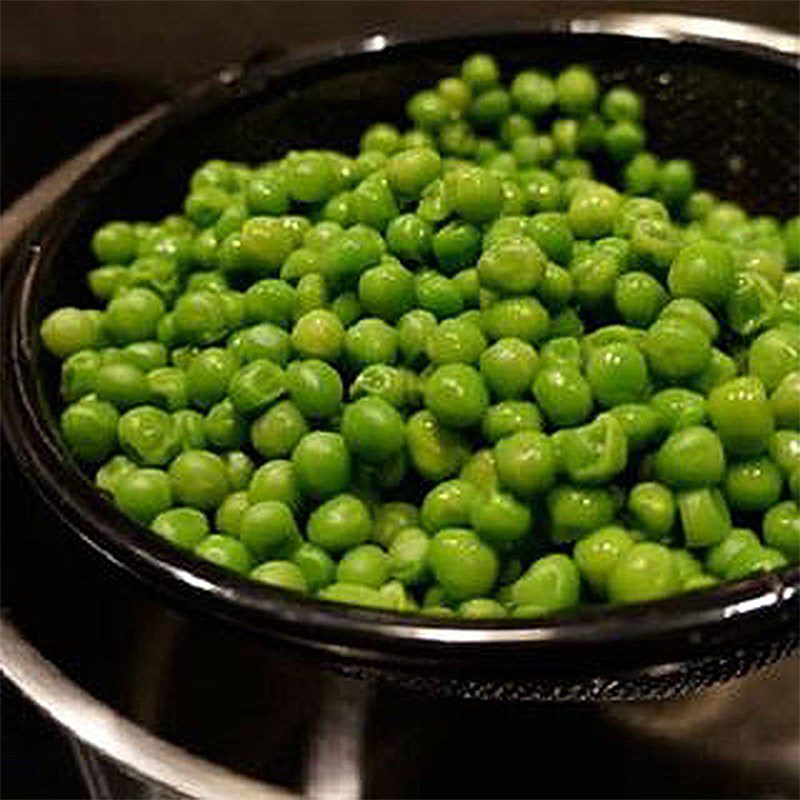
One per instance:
[(358, 248), (747, 562), (640, 175), (620, 103), (500, 519), (617, 374), (773, 355), (597, 554), (646, 571), (122, 385), (575, 511), (741, 414), (456, 395), (652, 509), (680, 408), (148, 436), (509, 417), (624, 139), (264, 340), (413, 331), (639, 298), (409, 238), (318, 334), (691, 457), (551, 583), (339, 524), (315, 388), (275, 480), (352, 594), (723, 555), (316, 567), (721, 368), (508, 367), (643, 425), (365, 565), (107, 476), (281, 574), (387, 291), (455, 341), (224, 428), (114, 243), (435, 452), (278, 430), (438, 294), (704, 515), (190, 429), (464, 566), (526, 463), (79, 373), (576, 90), (269, 530), (676, 349), (143, 494), (563, 394), (371, 341), (270, 300), (516, 317), (781, 529), (592, 210), (208, 376), (199, 479), (225, 552), (182, 527), (481, 471), (373, 429), (240, 469), (703, 270), (229, 513), (675, 182), (593, 453), (382, 137), (512, 266), (694, 312), (90, 429), (753, 485), (322, 464), (448, 505)]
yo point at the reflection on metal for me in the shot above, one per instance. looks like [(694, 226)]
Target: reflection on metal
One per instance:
[(107, 732)]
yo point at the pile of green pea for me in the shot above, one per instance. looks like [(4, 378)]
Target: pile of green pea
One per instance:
[(456, 373)]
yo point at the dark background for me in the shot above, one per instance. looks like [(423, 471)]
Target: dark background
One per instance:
[(73, 70)]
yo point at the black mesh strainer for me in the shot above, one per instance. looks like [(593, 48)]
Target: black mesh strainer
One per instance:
[(729, 106)]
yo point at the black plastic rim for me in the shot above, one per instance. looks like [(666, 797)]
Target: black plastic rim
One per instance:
[(653, 633)]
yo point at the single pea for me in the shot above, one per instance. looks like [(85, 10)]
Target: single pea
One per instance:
[(594, 277), (256, 386), (269, 530), (435, 452), (752, 305), (317, 568), (167, 388), (437, 294), (208, 376), (542, 190), (373, 429), (468, 285), (703, 270), (322, 464), (278, 430), (509, 417), (371, 341), (676, 349), (640, 175), (620, 103), (563, 395), (748, 562), (551, 583), (593, 453), (464, 566), (115, 243), (281, 574), (642, 424), (455, 341), (781, 529), (122, 385), (347, 307), (388, 383), (456, 394), (490, 107), (413, 331), (190, 429), (318, 334), (652, 509), (646, 571), (105, 282), (90, 429), (741, 414), (373, 203), (591, 211), (617, 374), (753, 485), (382, 137), (387, 291), (365, 565), (500, 519), (108, 475), (339, 524), (689, 310), (182, 527), (704, 515), (229, 513), (476, 195), (264, 340), (624, 139), (720, 558), (562, 351), (267, 192), (224, 427), (512, 266), (508, 367), (143, 494), (481, 471), (597, 554), (409, 238), (352, 594), (315, 388), (408, 557), (690, 458), (526, 463), (575, 511), (675, 182), (448, 505), (270, 300), (410, 171), (275, 480), (533, 92), (784, 450), (428, 110), (773, 355), (482, 608), (480, 71), (225, 552), (148, 436), (133, 315), (199, 479), (680, 408), (639, 298), (265, 244), (79, 373), (456, 246), (391, 518), (576, 90), (517, 317), (721, 368)]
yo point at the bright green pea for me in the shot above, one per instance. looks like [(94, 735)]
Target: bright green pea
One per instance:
[(448, 505), (275, 480), (552, 583), (516, 317), (753, 485), (199, 479), (410, 171), (643, 425), (575, 511), (533, 92), (122, 385), (90, 429), (592, 210), (264, 340), (270, 300), (229, 513), (413, 331), (437, 294), (703, 270), (597, 554), (748, 562), (508, 367), (722, 555), (224, 427), (387, 291), (225, 552), (676, 349), (114, 243), (620, 103), (322, 464), (526, 463), (509, 417), (639, 298), (781, 529), (315, 388), (646, 571), (476, 195), (576, 90), (680, 408), (742, 416), (464, 566), (562, 351), (79, 373), (190, 429), (182, 527), (512, 266), (773, 355), (281, 574), (316, 567), (784, 450), (278, 430), (455, 341), (208, 376), (409, 238), (563, 394), (456, 246), (269, 530), (652, 509), (594, 277), (624, 139), (148, 436), (675, 182), (142, 494), (365, 565), (704, 515), (617, 374), (107, 477), (371, 341), (339, 524), (640, 175), (593, 453), (373, 429), (256, 386), (500, 519), (690, 458), (436, 452), (318, 334), (456, 394)]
